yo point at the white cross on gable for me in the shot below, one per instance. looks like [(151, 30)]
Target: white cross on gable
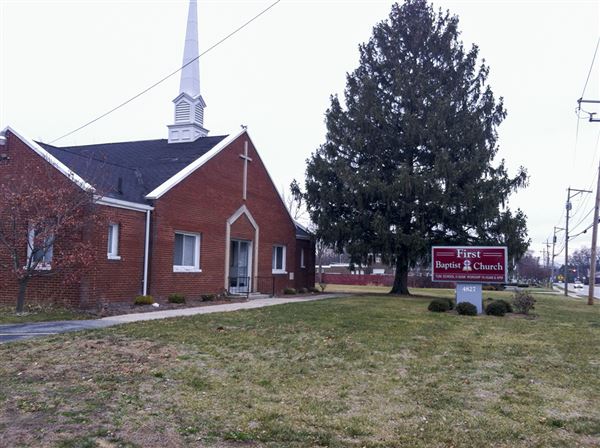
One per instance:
[(246, 160)]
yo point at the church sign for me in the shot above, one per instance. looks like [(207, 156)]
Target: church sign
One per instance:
[(469, 264)]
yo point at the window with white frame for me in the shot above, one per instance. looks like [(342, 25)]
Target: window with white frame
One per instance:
[(279, 259), (186, 253), (302, 264), (113, 242), (39, 249)]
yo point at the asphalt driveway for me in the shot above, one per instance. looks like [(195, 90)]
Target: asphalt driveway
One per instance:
[(14, 332)]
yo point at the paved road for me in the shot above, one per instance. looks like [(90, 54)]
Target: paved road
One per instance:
[(581, 292), (14, 332)]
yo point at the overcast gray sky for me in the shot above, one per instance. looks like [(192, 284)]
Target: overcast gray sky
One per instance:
[(63, 63)]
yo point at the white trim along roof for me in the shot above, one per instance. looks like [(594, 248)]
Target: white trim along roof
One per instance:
[(118, 203), (50, 159)]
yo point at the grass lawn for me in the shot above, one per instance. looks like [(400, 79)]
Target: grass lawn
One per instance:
[(363, 371), (38, 314)]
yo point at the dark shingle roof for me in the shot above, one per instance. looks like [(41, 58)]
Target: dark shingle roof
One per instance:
[(301, 232), (131, 170)]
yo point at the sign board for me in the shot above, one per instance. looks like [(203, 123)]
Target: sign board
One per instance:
[(475, 264)]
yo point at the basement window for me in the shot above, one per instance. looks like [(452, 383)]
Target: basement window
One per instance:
[(186, 253)]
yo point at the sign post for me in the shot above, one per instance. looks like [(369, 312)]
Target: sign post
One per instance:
[(469, 267)]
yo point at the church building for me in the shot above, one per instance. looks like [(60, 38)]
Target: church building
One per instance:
[(192, 214)]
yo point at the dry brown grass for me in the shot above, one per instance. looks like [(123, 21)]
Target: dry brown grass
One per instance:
[(361, 371)]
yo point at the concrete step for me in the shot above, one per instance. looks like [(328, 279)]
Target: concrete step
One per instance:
[(253, 296)]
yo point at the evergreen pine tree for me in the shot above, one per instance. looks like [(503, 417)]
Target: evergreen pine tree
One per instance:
[(408, 159)]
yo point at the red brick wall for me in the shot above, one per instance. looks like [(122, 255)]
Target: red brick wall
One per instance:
[(202, 203), (107, 281), (305, 277), (47, 290), (117, 281)]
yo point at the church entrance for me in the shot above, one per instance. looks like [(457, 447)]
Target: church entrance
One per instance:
[(240, 263)]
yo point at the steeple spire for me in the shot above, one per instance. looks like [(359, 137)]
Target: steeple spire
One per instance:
[(190, 75), (189, 104)]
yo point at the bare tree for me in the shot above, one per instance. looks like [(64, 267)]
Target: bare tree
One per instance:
[(530, 269), (295, 204), (44, 226)]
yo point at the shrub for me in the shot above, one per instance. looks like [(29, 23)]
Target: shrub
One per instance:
[(509, 308), (322, 286), (523, 302), (466, 309), (207, 297), (313, 289), (143, 300), (495, 308), (303, 290), (450, 304), (438, 306), (177, 298), (289, 291)]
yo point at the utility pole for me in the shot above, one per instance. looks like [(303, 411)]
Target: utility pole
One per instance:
[(553, 256), (592, 282), (569, 206), (547, 260)]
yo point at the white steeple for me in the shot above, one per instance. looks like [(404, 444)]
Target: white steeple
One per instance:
[(189, 104)]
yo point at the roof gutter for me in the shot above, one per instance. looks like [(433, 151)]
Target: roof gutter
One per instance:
[(119, 203)]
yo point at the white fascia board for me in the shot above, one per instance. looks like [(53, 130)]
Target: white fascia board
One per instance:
[(119, 203), (181, 175), (52, 160)]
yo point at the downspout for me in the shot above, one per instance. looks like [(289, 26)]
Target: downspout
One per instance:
[(146, 253)]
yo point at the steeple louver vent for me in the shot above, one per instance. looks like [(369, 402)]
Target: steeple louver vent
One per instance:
[(199, 114), (182, 112)]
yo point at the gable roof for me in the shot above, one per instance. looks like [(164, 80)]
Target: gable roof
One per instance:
[(130, 170), (137, 171)]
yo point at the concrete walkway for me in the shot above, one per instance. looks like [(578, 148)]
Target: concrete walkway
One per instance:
[(14, 332)]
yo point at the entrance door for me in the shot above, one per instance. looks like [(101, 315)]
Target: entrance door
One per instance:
[(239, 266)]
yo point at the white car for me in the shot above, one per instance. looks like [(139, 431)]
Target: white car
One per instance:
[(578, 285)]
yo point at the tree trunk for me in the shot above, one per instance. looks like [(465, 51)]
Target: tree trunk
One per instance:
[(21, 295), (320, 269), (401, 277)]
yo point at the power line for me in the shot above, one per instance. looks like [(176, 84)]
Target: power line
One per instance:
[(583, 219), (587, 79), (583, 204), (590, 70), (241, 27), (582, 232)]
